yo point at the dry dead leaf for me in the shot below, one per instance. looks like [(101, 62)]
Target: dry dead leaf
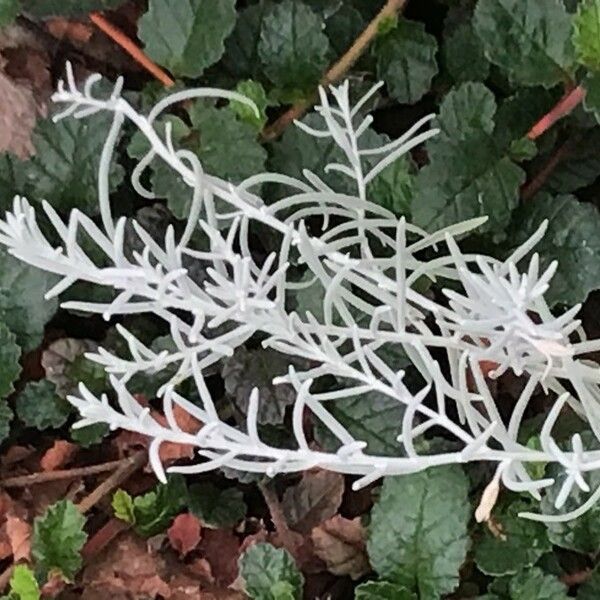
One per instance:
[(340, 543), (184, 533), (74, 31), (221, 548), (19, 536), (314, 499), (18, 114), (54, 586), (58, 456)]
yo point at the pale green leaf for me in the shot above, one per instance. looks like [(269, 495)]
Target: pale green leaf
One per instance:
[(39, 406), (586, 34)]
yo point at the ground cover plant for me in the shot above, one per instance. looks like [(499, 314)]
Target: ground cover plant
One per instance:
[(302, 305)]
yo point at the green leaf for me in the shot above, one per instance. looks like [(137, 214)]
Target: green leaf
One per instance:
[(372, 418), (586, 34), (39, 406), (256, 92), (382, 590), (464, 56), (216, 508), (24, 584), (460, 183), (581, 166), (343, 27), (519, 545), (393, 187), (90, 434), (534, 584), (572, 238), (241, 57), (58, 538), (123, 507), (227, 148), (270, 573), (406, 61), (248, 369), (155, 510), (530, 40), (418, 531), (12, 179), (9, 9), (188, 35), (10, 353), (293, 48), (581, 534), (64, 170), (591, 102), (22, 304), (70, 8), (6, 416)]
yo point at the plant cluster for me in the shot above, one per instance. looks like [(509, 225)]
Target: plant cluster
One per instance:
[(372, 290)]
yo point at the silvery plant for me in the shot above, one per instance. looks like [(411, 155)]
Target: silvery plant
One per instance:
[(368, 267)]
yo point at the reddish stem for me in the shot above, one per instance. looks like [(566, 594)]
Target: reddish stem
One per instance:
[(562, 108), (131, 48)]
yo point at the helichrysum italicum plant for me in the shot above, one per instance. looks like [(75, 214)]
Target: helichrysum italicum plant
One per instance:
[(368, 267)]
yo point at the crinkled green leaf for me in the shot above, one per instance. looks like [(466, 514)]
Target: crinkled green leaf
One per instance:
[(580, 167), (534, 584), (12, 179), (39, 406), (530, 40), (382, 590), (256, 92), (64, 170), (10, 353), (58, 538), (591, 102), (24, 584), (6, 416), (406, 60), (371, 417), (581, 534), (241, 57), (293, 48), (9, 9), (123, 507), (586, 34), (247, 369), (155, 510), (22, 304), (216, 508), (418, 531), (464, 56), (90, 434), (227, 148), (343, 26), (188, 35), (573, 238), (270, 573), (470, 173), (67, 8), (519, 545), (393, 187)]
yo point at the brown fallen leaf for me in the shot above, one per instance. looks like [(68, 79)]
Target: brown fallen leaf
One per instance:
[(54, 586), (74, 31), (19, 536), (221, 548), (340, 543), (58, 456), (313, 500), (18, 114), (184, 533)]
